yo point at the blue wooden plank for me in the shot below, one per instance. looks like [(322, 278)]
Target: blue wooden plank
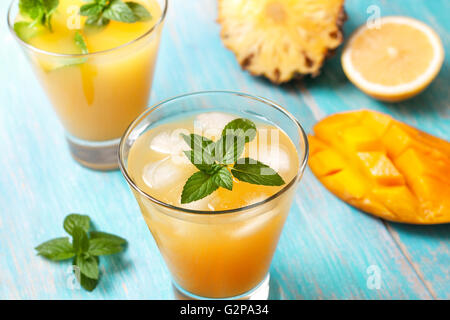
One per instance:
[(425, 246), (326, 246)]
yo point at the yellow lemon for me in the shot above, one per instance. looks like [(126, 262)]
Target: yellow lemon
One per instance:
[(393, 58)]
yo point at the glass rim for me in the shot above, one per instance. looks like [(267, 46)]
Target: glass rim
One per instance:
[(80, 55), (160, 104)]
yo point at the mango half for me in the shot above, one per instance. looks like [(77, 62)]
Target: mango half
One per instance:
[(383, 166)]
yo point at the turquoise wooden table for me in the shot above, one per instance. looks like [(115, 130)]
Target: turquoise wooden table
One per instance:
[(328, 250)]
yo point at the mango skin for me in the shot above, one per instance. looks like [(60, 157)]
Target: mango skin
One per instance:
[(383, 166)]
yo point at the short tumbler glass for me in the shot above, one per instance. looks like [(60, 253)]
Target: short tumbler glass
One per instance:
[(217, 254), (97, 95)]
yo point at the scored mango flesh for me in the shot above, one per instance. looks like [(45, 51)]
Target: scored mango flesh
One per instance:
[(383, 166)]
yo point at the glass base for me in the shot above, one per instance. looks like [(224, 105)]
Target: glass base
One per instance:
[(260, 292), (95, 155)]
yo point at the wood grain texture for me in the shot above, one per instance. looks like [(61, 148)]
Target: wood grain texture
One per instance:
[(326, 246)]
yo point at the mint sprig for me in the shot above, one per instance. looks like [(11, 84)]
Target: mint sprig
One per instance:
[(85, 248), (39, 13), (100, 12), (219, 162)]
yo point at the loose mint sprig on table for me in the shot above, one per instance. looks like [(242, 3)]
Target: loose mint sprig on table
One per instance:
[(85, 248), (218, 162), (100, 12)]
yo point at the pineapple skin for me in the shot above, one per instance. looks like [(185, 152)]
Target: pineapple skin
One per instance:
[(271, 38)]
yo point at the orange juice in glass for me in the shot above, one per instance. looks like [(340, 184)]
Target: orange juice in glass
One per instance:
[(99, 86), (220, 244)]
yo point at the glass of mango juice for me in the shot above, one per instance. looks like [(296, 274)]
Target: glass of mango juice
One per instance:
[(97, 76), (216, 223)]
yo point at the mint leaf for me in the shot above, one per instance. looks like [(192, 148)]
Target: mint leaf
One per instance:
[(100, 12), (91, 9), (94, 11), (255, 172), (87, 283), (56, 249), (50, 5), (228, 148), (202, 160), (197, 142), (201, 152), (202, 184), (119, 11), (139, 11), (223, 178), (76, 220), (198, 186), (88, 266), (31, 8), (80, 240), (79, 41), (26, 30), (97, 21), (240, 127), (40, 11), (49, 8), (103, 235), (103, 246)]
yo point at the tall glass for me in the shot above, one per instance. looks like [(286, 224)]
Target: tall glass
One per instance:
[(98, 98), (217, 254)]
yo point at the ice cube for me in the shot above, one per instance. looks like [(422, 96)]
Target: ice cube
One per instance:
[(205, 204), (211, 124), (163, 173), (275, 156), (171, 142)]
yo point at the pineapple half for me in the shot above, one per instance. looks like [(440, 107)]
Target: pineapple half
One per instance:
[(281, 39)]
